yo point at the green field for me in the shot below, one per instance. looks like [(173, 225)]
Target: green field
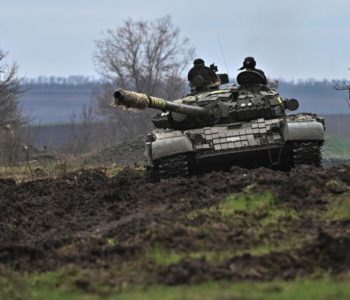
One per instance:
[(56, 287), (336, 148)]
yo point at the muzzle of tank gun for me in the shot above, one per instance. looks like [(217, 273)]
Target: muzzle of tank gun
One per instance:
[(130, 99)]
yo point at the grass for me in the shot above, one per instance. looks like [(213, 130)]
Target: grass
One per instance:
[(162, 256), (62, 285), (300, 289), (165, 257), (261, 206), (264, 248), (263, 214), (336, 148), (34, 170), (258, 211), (338, 208)]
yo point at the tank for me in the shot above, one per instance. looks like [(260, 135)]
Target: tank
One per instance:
[(247, 124)]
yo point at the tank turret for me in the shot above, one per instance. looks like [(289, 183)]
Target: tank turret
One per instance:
[(251, 100)]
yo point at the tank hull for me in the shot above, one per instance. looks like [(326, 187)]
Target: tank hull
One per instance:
[(276, 143)]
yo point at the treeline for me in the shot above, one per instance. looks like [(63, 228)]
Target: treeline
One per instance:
[(316, 96), (309, 87), (303, 86), (72, 80)]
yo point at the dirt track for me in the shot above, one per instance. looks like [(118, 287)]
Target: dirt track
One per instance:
[(88, 220)]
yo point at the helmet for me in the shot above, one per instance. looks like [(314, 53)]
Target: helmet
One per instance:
[(248, 63), (198, 62)]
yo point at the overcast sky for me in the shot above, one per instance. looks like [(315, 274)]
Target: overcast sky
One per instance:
[(289, 39)]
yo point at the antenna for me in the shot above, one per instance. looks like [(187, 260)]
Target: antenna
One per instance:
[(223, 55)]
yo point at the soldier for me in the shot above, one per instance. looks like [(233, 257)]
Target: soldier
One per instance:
[(201, 77), (249, 64)]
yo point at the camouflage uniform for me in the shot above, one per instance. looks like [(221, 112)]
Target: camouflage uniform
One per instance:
[(199, 69)]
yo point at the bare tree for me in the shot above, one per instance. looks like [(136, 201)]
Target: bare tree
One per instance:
[(342, 86), (10, 115), (83, 134), (9, 90), (144, 56)]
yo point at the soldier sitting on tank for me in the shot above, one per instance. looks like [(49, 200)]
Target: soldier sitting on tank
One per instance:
[(249, 64), (201, 77)]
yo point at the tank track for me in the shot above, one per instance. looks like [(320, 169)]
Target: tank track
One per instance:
[(169, 167), (307, 153), (175, 166)]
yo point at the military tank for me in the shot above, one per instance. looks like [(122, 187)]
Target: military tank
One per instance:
[(245, 124)]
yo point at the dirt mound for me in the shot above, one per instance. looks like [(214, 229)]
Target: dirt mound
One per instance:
[(88, 219), (330, 252)]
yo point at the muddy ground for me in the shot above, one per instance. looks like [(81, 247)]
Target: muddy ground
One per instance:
[(184, 230)]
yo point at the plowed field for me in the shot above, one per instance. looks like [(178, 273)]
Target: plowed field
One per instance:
[(110, 234)]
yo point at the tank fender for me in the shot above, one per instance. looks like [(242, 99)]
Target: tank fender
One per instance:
[(167, 143), (303, 130)]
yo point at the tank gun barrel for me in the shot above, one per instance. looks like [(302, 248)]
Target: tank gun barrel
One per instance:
[(142, 101)]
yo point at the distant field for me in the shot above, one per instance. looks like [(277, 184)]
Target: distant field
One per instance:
[(336, 148), (56, 103), (53, 104), (56, 135)]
